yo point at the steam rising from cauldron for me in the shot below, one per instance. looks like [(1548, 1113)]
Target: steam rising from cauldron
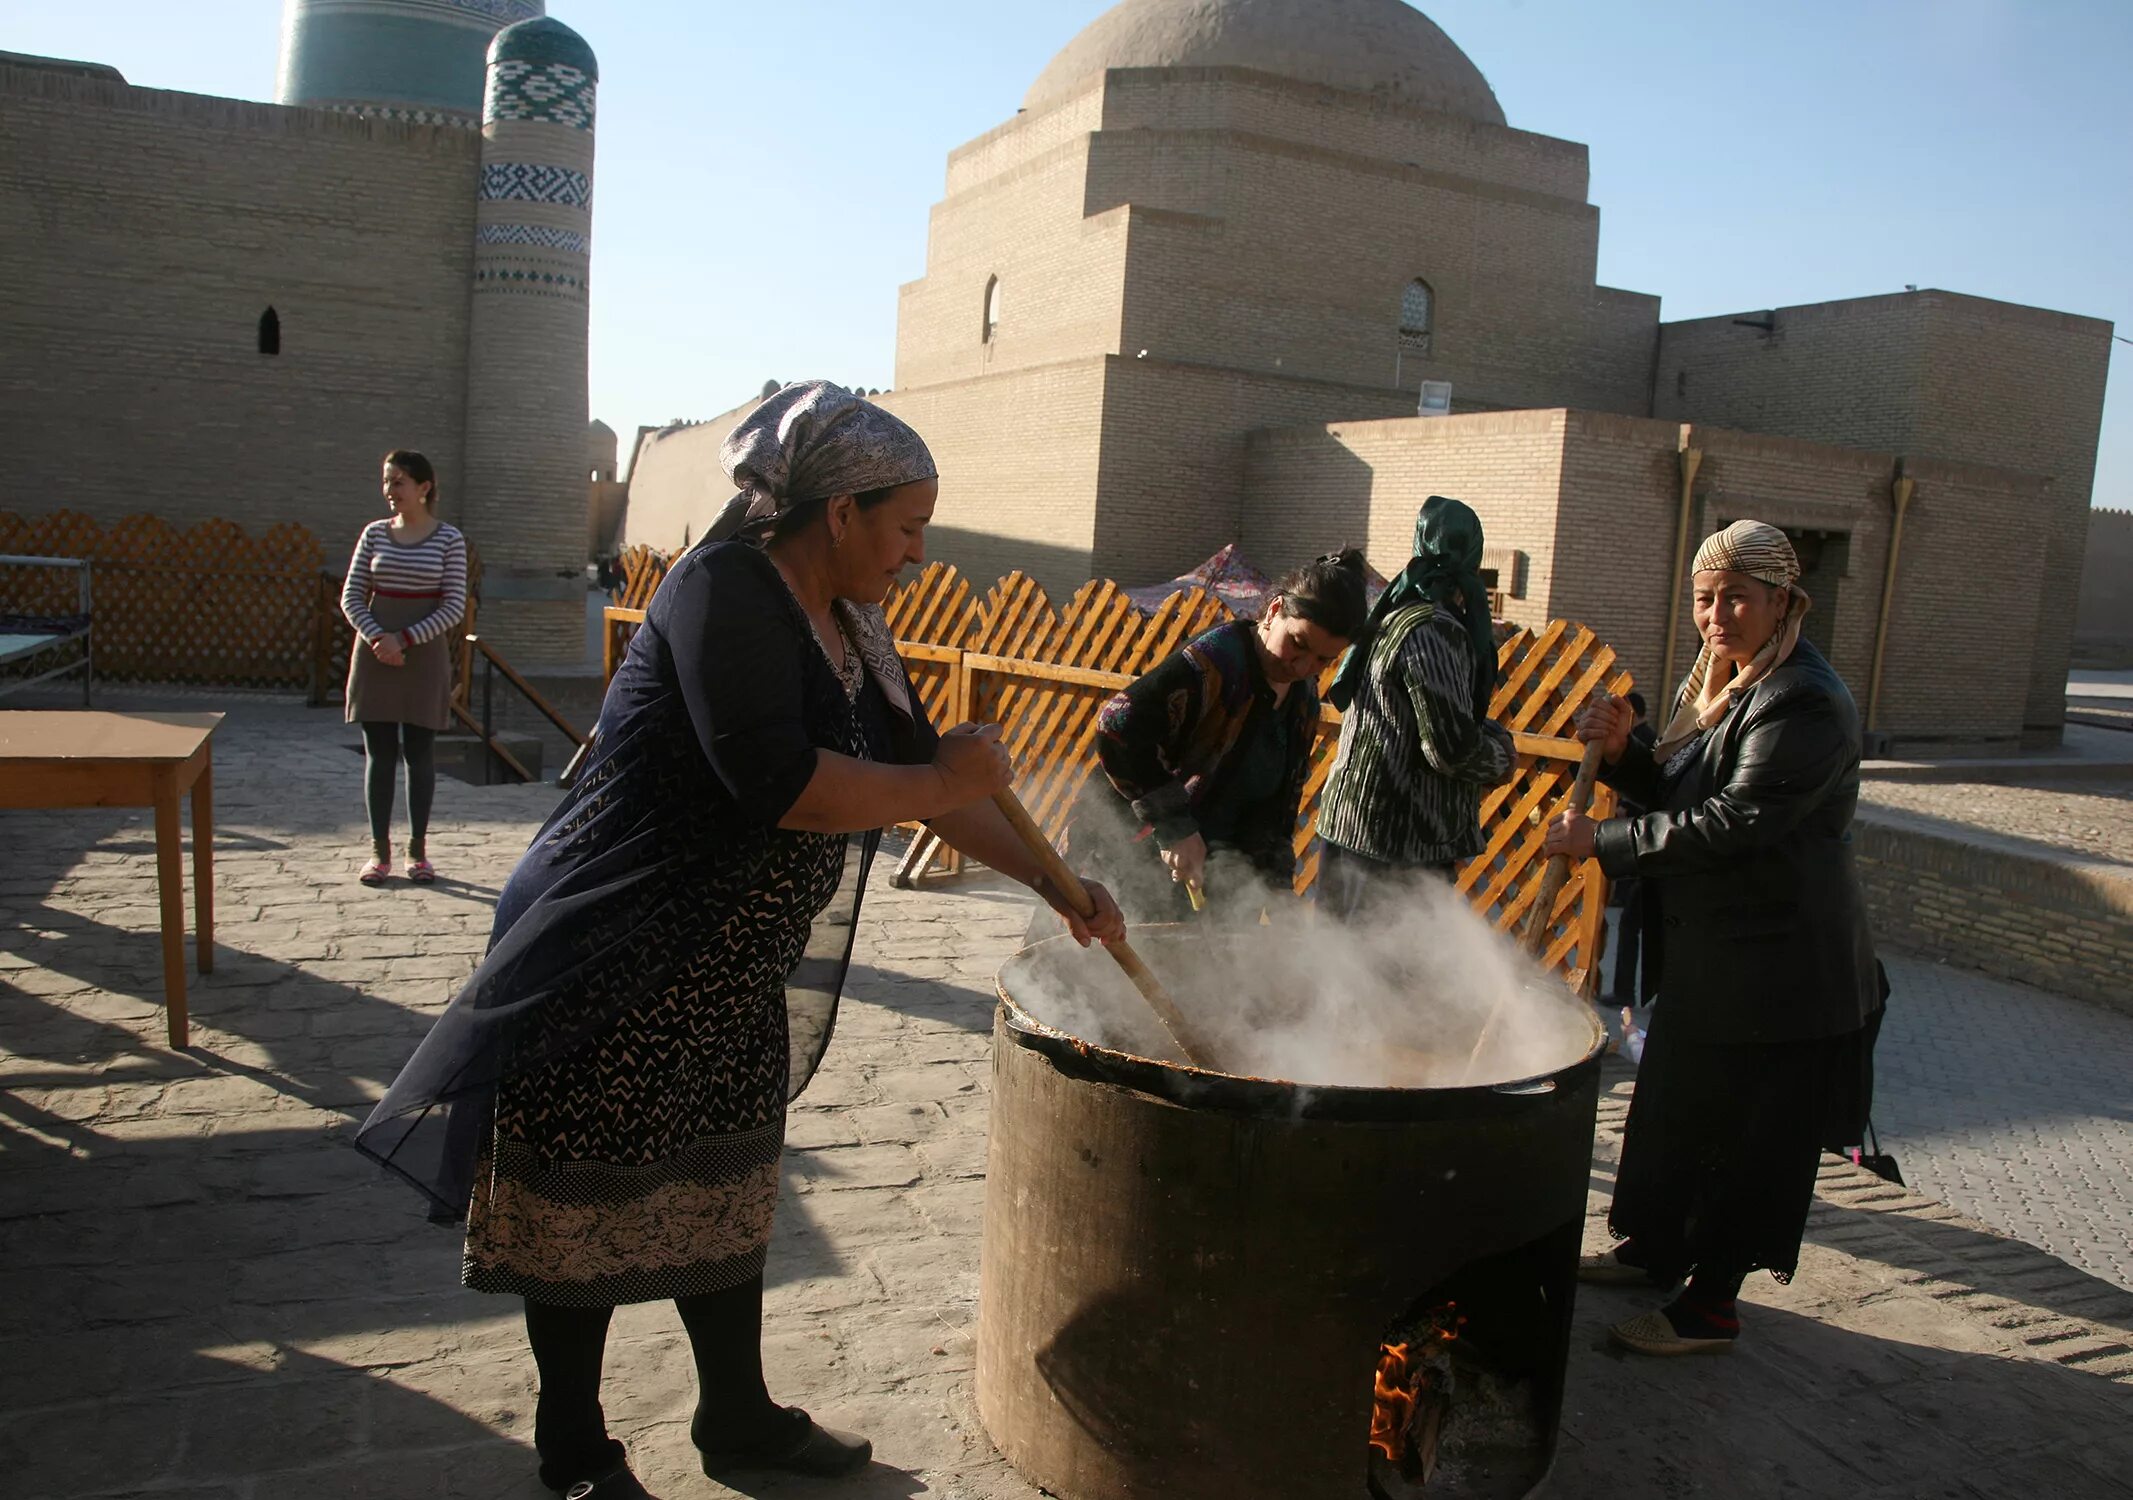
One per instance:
[(1397, 1000)]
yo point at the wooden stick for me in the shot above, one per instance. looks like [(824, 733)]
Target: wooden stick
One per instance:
[(1077, 895), (1558, 870), (1542, 911)]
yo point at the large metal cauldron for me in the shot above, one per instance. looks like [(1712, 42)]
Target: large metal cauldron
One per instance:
[(1187, 1276)]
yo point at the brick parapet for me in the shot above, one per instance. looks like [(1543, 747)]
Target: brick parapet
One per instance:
[(1982, 901), (214, 113)]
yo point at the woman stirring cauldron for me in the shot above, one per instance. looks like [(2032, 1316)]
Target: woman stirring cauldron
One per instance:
[(1207, 751), (605, 1100), (1756, 945)]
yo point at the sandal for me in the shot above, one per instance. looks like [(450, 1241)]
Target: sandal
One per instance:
[(377, 872), (1609, 1269), (1654, 1333), (422, 872)]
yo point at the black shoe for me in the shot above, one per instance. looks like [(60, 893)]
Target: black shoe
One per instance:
[(809, 1449), (617, 1483)]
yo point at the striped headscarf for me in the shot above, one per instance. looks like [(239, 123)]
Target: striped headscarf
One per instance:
[(1763, 552)]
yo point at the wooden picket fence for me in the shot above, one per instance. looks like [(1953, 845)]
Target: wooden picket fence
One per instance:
[(207, 605), (1010, 657)]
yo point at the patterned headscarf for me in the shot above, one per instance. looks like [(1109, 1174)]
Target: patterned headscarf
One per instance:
[(810, 442), (1762, 552), (1446, 565)]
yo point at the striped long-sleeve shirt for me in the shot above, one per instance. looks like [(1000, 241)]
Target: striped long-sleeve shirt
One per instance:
[(434, 568), (1406, 783)]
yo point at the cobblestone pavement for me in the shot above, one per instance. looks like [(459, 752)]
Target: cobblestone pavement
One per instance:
[(2093, 818), (212, 1297), (2015, 1106)]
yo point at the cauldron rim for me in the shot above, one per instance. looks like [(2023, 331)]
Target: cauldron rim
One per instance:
[(1208, 1089)]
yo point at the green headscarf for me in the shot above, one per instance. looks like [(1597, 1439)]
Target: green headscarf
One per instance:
[(1446, 565)]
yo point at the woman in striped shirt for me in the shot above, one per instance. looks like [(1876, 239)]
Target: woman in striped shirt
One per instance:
[(406, 590), (1417, 745)]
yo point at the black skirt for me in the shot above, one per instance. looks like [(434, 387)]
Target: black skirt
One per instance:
[(1723, 1143)]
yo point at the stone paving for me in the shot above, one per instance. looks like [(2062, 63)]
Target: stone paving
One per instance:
[(2092, 818), (214, 1298), (2015, 1106)]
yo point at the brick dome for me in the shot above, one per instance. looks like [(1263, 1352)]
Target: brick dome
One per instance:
[(1381, 47)]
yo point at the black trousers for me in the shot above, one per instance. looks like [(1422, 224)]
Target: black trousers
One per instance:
[(733, 1407), (1629, 938)]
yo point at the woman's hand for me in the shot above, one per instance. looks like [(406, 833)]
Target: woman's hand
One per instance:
[(1107, 926), (1571, 835), (1609, 720), (972, 763), (1187, 860), (387, 649)]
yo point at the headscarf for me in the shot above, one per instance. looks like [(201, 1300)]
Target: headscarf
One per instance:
[(1446, 565), (809, 442), (1760, 551)]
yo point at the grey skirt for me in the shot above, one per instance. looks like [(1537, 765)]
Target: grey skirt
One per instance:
[(419, 691)]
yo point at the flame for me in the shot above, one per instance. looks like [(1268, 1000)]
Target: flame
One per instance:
[(1394, 1389), (1403, 1374)]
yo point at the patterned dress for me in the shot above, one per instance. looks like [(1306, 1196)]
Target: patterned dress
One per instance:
[(666, 963)]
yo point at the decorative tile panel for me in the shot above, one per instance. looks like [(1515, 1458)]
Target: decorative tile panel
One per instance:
[(531, 281), (533, 182), (570, 241), (546, 93)]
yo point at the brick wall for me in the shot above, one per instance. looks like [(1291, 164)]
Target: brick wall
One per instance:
[(1311, 489), (677, 485), (146, 232), (2103, 628), (2022, 388), (1586, 504), (1018, 454), (1928, 375), (1985, 903), (1060, 272), (1292, 260)]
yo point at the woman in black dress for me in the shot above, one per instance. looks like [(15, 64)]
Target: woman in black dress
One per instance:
[(605, 1100), (1755, 941)]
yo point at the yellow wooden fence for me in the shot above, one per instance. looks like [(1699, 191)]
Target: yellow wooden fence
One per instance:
[(1009, 656)]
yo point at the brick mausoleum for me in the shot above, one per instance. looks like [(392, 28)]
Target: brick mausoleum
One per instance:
[(1190, 293)]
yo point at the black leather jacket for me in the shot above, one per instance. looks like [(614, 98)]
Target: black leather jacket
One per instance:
[(1756, 924)]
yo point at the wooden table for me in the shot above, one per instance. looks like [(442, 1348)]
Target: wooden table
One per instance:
[(84, 759)]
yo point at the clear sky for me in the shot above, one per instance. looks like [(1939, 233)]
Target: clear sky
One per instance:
[(765, 170)]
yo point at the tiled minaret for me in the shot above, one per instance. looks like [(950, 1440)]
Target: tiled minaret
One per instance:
[(401, 59), (526, 394)]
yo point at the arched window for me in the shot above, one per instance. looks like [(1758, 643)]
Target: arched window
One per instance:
[(992, 308), (1418, 310), (270, 332)]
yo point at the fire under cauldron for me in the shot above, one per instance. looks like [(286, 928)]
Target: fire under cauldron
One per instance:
[(1196, 1284)]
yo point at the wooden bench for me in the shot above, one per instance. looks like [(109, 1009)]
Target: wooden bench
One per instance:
[(27, 637)]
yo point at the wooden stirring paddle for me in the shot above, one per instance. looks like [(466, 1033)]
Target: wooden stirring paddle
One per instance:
[(1542, 912), (1193, 1049)]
